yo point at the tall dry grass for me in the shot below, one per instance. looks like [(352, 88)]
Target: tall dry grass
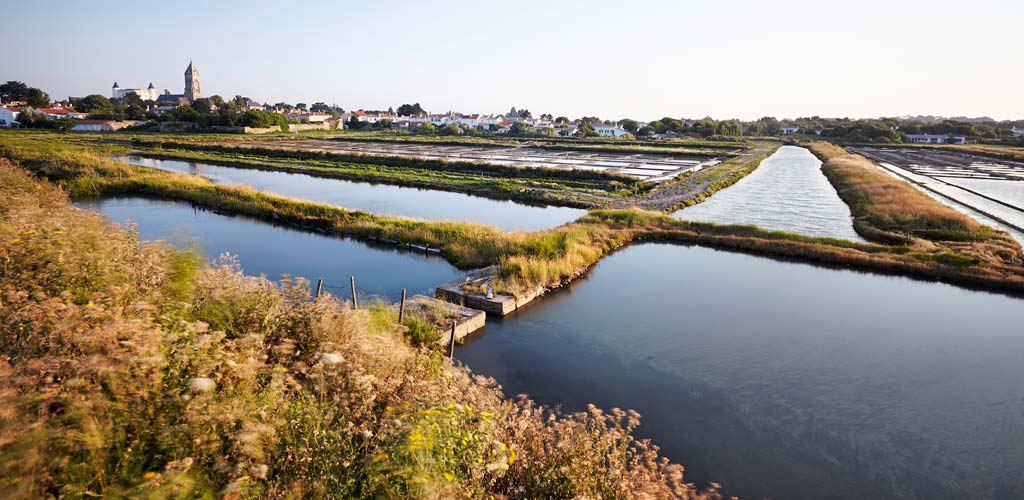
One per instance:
[(131, 370)]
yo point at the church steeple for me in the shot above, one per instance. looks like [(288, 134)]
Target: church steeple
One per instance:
[(192, 90)]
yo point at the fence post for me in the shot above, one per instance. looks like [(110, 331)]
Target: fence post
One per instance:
[(319, 286), (451, 354), (401, 308), (355, 301)]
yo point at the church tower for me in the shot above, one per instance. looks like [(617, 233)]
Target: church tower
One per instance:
[(192, 91)]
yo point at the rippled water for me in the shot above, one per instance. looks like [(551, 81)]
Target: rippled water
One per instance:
[(378, 198), (787, 192)]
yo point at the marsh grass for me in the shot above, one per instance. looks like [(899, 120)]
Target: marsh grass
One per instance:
[(129, 370), (888, 210), (525, 261)]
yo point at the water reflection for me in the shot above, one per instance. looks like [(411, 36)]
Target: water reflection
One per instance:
[(277, 250), (787, 192), (378, 198), (783, 379)]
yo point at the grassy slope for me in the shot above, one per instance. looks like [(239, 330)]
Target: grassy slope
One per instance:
[(134, 371), (888, 210)]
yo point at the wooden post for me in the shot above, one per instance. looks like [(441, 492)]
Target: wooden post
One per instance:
[(401, 308), (355, 301), (319, 286), (451, 354)]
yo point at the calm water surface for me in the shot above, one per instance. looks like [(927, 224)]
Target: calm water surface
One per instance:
[(787, 192), (775, 378), (378, 198), (276, 250), (783, 379)]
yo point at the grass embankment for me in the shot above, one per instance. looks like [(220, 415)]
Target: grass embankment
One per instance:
[(577, 188), (888, 210), (525, 261), (131, 370)]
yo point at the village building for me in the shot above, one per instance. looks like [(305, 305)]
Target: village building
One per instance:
[(101, 125), (192, 91), (9, 116), (1017, 132), (146, 94), (790, 130), (935, 139), (609, 130)]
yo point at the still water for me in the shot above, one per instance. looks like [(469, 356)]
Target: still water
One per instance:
[(787, 192), (783, 379), (775, 378), (273, 251), (378, 198)]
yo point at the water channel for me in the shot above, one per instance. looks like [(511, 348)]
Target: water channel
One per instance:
[(775, 378), (787, 192), (379, 199)]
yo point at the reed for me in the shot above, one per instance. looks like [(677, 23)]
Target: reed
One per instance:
[(131, 370), (525, 260)]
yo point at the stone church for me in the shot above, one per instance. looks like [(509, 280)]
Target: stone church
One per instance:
[(192, 91)]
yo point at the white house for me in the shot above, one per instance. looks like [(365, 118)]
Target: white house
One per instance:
[(308, 117), (440, 119), (567, 131), (790, 130), (488, 120), (101, 125), (1017, 132), (146, 94), (935, 139), (472, 120), (373, 117), (609, 130), (54, 113), (9, 116)]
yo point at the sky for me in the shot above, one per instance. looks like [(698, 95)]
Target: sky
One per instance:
[(611, 59)]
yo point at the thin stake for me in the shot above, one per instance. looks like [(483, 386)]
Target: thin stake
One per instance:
[(319, 286), (451, 354), (355, 301), (401, 308)]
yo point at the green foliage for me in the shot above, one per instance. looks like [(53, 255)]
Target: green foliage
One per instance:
[(421, 332), (18, 91), (96, 105)]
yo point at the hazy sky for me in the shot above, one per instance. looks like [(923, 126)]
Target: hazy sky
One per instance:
[(613, 59)]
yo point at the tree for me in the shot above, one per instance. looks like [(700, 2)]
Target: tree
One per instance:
[(562, 120), (301, 106), (520, 128), (427, 128), (202, 106), (218, 101), (546, 116), (410, 110), (37, 98), (645, 131), (135, 112), (96, 105), (355, 124), (319, 107), (13, 91), (261, 119), (451, 129), (18, 91), (629, 125), (587, 130)]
